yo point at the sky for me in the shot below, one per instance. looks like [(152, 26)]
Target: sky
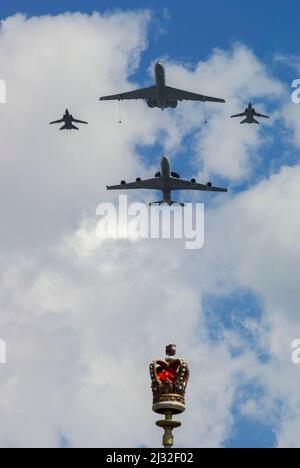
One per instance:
[(82, 317)]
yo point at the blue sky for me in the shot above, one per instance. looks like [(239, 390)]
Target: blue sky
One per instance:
[(200, 26), (189, 34)]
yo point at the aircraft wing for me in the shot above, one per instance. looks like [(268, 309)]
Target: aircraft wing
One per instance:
[(145, 93), (80, 121), (57, 121), (180, 95), (152, 184), (179, 184), (261, 115), (238, 115)]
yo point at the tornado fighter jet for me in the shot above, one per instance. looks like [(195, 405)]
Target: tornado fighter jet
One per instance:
[(250, 113), (160, 95), (166, 182), (68, 120)]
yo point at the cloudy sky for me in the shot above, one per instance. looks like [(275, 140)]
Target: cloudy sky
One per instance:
[(83, 317)]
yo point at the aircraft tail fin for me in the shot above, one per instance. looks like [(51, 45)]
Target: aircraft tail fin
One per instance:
[(63, 128), (256, 121), (243, 121)]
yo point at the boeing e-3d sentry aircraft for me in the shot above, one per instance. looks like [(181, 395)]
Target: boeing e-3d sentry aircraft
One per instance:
[(160, 95), (166, 181), (68, 120), (250, 113)]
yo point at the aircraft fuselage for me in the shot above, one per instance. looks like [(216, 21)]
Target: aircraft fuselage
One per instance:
[(68, 119), (250, 114), (161, 101)]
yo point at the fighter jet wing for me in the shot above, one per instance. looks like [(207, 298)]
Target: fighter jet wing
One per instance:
[(179, 184), (261, 115), (152, 184), (80, 121), (57, 121), (238, 115), (145, 93), (180, 95)]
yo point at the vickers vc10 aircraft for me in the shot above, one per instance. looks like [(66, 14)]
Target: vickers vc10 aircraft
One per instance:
[(160, 95), (250, 113), (166, 181), (68, 120)]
